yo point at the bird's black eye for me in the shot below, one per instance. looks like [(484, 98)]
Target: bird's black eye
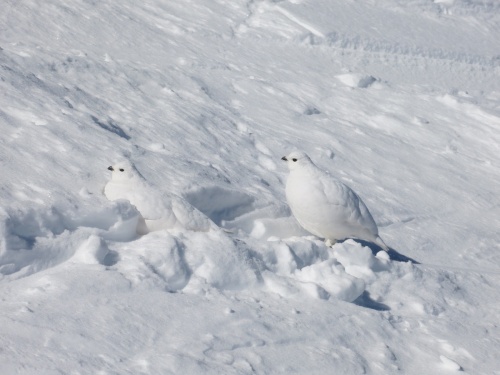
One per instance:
[(122, 170), (294, 159)]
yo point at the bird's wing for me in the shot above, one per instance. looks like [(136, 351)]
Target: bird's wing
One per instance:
[(334, 191), (149, 202), (337, 193), (357, 214)]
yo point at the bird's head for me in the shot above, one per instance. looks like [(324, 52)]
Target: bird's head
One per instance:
[(297, 160), (122, 171)]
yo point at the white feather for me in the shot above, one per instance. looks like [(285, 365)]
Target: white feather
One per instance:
[(158, 210), (325, 206)]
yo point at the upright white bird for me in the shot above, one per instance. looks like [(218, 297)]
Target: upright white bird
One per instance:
[(158, 211), (326, 207)]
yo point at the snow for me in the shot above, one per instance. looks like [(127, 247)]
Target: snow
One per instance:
[(398, 99)]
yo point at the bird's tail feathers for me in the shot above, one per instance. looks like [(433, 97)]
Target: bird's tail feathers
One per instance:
[(381, 243)]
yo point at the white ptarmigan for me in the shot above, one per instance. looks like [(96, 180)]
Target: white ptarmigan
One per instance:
[(158, 210), (325, 206)]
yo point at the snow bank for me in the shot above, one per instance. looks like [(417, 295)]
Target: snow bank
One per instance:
[(39, 238)]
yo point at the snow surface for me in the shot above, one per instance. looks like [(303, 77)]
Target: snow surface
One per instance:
[(399, 99)]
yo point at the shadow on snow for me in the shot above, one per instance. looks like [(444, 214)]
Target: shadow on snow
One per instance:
[(393, 254)]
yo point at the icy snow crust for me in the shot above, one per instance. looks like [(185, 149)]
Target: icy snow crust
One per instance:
[(399, 99)]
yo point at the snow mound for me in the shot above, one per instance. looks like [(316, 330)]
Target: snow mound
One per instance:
[(357, 80), (302, 267), (37, 238), (92, 251), (174, 260)]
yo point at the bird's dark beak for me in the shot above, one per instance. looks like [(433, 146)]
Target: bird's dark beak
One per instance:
[(110, 168), (284, 158)]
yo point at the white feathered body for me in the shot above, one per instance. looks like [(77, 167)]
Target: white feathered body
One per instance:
[(325, 206), (149, 202), (158, 210)]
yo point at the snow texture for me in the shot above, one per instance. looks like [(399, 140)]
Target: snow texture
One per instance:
[(398, 99)]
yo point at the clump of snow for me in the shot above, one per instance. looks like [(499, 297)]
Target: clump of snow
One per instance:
[(360, 262), (115, 221), (92, 251), (356, 80)]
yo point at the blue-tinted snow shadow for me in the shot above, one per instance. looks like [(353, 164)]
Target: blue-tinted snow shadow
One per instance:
[(364, 300), (220, 204), (111, 127), (111, 258), (393, 254)]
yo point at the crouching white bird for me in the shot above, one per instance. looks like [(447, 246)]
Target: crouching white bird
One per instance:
[(326, 207), (158, 211)]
